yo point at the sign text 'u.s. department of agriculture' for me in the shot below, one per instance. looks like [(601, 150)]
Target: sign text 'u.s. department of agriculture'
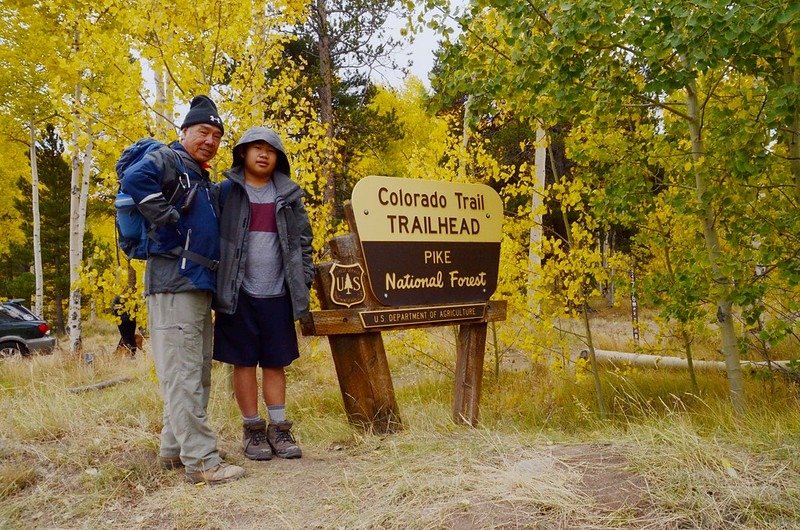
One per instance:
[(428, 242)]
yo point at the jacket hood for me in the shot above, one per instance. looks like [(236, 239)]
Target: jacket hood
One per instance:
[(285, 187), (265, 134)]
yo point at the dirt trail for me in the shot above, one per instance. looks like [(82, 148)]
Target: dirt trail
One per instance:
[(553, 486)]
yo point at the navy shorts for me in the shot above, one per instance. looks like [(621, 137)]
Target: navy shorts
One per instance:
[(261, 332)]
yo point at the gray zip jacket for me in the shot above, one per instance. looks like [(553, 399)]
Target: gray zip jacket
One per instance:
[(294, 231)]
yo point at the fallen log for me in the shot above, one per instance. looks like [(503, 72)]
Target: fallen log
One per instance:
[(662, 361), (100, 385)]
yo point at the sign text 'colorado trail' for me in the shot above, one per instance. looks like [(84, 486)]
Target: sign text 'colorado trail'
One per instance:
[(428, 242)]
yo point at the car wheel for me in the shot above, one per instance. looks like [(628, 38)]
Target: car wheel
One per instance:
[(11, 349)]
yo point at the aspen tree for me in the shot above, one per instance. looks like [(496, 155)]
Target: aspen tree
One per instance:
[(90, 64), (24, 99), (350, 39), (679, 61)]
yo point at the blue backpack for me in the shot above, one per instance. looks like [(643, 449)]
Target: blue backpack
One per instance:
[(133, 230)]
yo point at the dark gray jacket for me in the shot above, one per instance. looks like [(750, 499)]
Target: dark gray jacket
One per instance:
[(294, 231)]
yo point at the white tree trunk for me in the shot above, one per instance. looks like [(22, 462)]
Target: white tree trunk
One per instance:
[(158, 82), (535, 244), (169, 107), (38, 303), (608, 249), (163, 106), (465, 134), (75, 241), (84, 197), (721, 287), (791, 78)]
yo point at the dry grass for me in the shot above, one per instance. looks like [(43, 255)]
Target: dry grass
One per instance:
[(541, 459)]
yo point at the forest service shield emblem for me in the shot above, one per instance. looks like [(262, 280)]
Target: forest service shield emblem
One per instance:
[(347, 284)]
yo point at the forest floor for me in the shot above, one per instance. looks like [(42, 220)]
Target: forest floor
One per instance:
[(540, 457), (507, 486)]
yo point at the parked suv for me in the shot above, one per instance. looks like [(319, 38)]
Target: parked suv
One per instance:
[(22, 332)]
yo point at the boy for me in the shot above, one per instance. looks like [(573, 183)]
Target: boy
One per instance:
[(263, 285)]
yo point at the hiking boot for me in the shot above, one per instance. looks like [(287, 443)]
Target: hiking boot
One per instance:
[(282, 442), (254, 441), (174, 462), (222, 472), (170, 462)]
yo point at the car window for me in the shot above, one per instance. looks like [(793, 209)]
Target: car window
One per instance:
[(15, 313)]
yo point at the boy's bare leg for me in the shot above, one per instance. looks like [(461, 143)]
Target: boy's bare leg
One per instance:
[(254, 428), (245, 390), (274, 386), (279, 431)]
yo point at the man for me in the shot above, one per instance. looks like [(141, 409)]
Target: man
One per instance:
[(171, 188)]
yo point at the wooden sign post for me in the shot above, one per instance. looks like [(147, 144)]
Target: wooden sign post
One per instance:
[(430, 265)]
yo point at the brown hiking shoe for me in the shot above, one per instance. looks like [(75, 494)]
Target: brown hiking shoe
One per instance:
[(282, 442), (170, 462), (222, 472), (254, 441)]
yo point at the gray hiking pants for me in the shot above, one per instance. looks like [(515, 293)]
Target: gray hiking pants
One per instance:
[(180, 336)]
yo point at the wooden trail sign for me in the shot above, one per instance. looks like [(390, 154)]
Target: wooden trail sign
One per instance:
[(427, 242), (352, 316)]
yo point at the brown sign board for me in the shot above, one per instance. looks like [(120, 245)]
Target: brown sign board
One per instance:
[(428, 242)]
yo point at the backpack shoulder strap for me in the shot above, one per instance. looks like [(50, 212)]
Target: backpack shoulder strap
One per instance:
[(180, 165), (175, 182)]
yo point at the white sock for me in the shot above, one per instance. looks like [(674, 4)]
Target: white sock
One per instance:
[(277, 413), (251, 419)]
